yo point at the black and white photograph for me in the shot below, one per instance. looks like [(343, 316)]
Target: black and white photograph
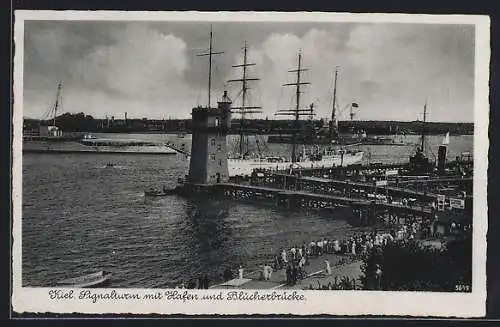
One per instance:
[(250, 163)]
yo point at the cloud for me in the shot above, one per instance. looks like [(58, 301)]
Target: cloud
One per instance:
[(142, 65), (389, 70), (139, 68), (406, 65), (151, 69)]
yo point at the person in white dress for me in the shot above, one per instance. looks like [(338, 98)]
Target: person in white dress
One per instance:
[(264, 272), (240, 272), (336, 246), (328, 268), (284, 257), (269, 272)]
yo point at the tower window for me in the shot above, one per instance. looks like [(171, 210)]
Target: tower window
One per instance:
[(219, 147), (220, 162), (217, 121), (212, 142), (212, 157)]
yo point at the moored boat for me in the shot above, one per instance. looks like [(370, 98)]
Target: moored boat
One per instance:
[(245, 167), (154, 192), (91, 280), (103, 145)]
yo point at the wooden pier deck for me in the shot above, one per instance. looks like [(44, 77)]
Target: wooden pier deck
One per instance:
[(302, 199), (364, 200)]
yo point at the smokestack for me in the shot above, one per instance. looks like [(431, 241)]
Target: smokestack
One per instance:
[(125, 116), (442, 158)]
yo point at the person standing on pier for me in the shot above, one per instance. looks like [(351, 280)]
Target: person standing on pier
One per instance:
[(284, 257), (319, 245), (276, 263), (269, 272), (313, 248), (227, 274), (288, 273), (266, 272), (294, 274), (206, 281), (240, 272), (378, 276), (328, 268), (302, 263), (200, 282)]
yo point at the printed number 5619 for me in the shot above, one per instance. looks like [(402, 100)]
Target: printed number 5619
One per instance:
[(462, 288)]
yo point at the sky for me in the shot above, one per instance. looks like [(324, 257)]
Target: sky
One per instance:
[(151, 69)]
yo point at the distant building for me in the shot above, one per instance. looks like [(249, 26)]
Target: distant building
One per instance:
[(53, 131)]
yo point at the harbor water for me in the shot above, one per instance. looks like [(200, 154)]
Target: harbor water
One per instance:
[(81, 215)]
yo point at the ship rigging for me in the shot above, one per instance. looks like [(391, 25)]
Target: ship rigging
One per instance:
[(244, 109), (244, 165), (297, 111)]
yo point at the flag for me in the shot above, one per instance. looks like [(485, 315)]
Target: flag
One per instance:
[(355, 105)]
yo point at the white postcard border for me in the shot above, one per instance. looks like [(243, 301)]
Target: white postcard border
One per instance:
[(25, 299)]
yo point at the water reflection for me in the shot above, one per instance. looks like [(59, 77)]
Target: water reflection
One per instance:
[(207, 233)]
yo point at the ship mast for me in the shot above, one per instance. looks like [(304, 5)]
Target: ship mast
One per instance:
[(210, 53), (423, 127), (296, 112), (333, 123), (243, 110), (56, 105)]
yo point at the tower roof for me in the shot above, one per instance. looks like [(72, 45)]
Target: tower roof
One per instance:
[(225, 98)]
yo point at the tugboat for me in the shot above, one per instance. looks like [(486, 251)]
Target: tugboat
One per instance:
[(419, 164)]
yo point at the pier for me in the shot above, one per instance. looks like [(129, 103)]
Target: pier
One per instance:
[(358, 171), (314, 200), (372, 194), (364, 210)]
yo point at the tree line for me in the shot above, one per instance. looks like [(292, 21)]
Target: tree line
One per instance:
[(81, 122)]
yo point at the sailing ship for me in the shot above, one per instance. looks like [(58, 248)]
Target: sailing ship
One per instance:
[(243, 163), (419, 163), (46, 129), (326, 157), (49, 138), (329, 135)]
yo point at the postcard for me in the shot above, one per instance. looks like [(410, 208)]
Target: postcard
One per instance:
[(250, 163)]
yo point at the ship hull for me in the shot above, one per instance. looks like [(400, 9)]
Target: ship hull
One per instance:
[(77, 148), (287, 139), (340, 141), (242, 167)]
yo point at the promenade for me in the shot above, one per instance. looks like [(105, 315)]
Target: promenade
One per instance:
[(346, 265)]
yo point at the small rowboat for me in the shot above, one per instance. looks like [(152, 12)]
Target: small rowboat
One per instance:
[(163, 192), (91, 280)]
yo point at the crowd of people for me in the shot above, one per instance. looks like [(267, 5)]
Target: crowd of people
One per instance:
[(295, 259), (339, 283), (202, 282), (359, 243)]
